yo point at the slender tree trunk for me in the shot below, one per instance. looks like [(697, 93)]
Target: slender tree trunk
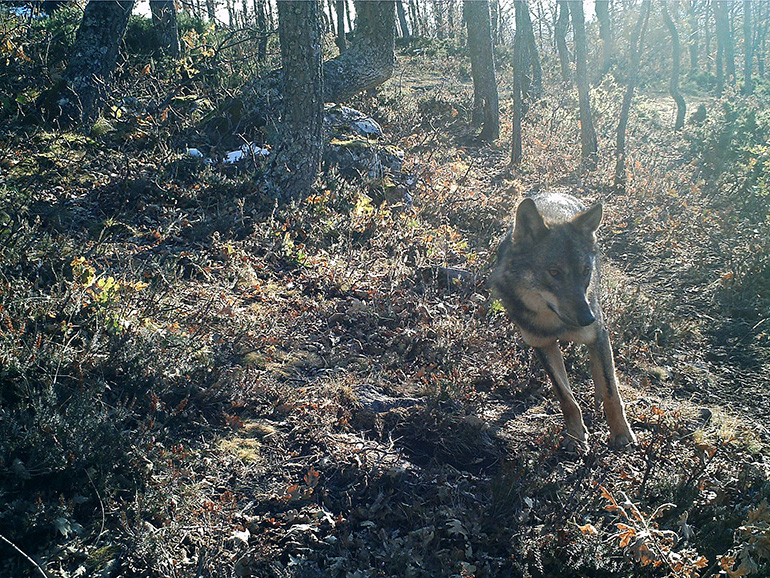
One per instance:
[(486, 108), (761, 41), (560, 32), (298, 158), (722, 28), (370, 58), (588, 142), (707, 35), (438, 14), (637, 42), (748, 46), (533, 76), (263, 30), (211, 10), (86, 80), (518, 101), (605, 35), (692, 38), (349, 13), (416, 29), (673, 85), (402, 18), (165, 26), (730, 74), (340, 40)]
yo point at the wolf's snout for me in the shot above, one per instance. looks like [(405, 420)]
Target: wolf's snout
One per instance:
[(585, 317)]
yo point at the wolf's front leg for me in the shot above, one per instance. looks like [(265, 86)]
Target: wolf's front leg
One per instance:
[(606, 383), (551, 358)]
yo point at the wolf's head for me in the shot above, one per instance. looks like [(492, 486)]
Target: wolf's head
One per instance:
[(548, 263)]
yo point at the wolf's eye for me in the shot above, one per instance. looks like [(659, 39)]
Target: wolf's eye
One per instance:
[(554, 272)]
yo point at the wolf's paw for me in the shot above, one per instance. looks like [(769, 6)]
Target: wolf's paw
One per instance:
[(575, 444), (623, 440)]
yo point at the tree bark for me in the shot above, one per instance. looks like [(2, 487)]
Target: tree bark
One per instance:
[(340, 40), (637, 42), (164, 24), (262, 29), (605, 35), (518, 103), (722, 29), (402, 19), (485, 97), (296, 162), (370, 58), (748, 46), (588, 142), (533, 75), (673, 85), (80, 96), (560, 32)]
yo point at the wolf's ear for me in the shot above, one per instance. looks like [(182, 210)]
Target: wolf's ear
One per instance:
[(589, 220), (530, 226)]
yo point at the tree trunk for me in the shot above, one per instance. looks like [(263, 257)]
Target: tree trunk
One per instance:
[(518, 100), (605, 35), (80, 96), (588, 143), (402, 19), (416, 30), (262, 29), (296, 162), (164, 25), (730, 46), (673, 85), (692, 39), (761, 38), (211, 10), (370, 58), (560, 31), (633, 76), (533, 75), (340, 40), (485, 98), (722, 29), (438, 14), (748, 46)]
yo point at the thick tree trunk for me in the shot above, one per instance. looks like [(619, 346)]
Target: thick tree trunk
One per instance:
[(673, 85), (748, 46), (560, 32), (370, 58), (588, 143), (80, 96), (485, 98), (633, 76), (296, 162), (605, 35), (533, 75), (164, 24)]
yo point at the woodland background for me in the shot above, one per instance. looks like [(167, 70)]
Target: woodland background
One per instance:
[(245, 331)]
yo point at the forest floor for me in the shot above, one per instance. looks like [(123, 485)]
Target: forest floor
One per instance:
[(199, 382)]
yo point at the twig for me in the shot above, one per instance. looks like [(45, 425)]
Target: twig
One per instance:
[(25, 556)]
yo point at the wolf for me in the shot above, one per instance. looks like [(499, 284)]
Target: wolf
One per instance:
[(547, 277)]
